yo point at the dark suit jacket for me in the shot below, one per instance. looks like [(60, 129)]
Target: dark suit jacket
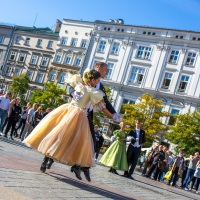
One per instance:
[(108, 104), (142, 137)]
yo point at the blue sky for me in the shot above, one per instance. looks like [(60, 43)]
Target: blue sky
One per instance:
[(177, 14)]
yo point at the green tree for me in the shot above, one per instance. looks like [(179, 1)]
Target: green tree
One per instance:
[(149, 112), (49, 97), (19, 86), (185, 133)]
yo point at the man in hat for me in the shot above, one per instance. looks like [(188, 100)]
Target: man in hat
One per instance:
[(4, 107)]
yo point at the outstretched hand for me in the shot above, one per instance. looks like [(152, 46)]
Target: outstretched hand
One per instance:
[(117, 117)]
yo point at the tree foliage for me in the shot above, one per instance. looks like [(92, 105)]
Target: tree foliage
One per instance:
[(149, 112), (49, 97), (19, 86), (185, 133)]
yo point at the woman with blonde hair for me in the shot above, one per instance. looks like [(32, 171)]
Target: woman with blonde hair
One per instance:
[(115, 156), (64, 134)]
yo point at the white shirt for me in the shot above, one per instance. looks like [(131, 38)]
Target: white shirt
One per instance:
[(136, 144), (98, 84), (5, 103)]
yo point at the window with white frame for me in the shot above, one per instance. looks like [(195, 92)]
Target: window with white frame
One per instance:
[(144, 52), (137, 75), (39, 78), (172, 117), (34, 59), (102, 46), (67, 60), (62, 77), (78, 62), (190, 59), (18, 38), (30, 75), (39, 43), (2, 39), (27, 41), (115, 48), (73, 42), (173, 58), (17, 72), (110, 70), (166, 81), (22, 57), (58, 57), (50, 44), (12, 55), (52, 76), (63, 41), (183, 83), (44, 61), (8, 71), (84, 43)]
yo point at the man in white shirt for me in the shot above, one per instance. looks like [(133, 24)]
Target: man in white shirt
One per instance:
[(137, 138), (4, 107)]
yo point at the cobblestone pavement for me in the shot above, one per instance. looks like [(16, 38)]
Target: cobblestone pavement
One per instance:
[(21, 179)]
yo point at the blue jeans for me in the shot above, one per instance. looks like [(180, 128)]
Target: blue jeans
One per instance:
[(3, 115), (189, 176)]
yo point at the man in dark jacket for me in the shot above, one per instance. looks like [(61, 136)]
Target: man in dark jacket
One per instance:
[(158, 157), (137, 138), (99, 144)]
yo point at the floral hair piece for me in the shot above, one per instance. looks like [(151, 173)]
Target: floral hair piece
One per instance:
[(87, 76)]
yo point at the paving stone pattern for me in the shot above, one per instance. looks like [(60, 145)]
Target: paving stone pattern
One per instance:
[(21, 179)]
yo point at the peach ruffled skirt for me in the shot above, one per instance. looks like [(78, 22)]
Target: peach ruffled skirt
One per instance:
[(64, 135)]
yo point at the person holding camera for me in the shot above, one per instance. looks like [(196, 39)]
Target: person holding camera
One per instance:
[(159, 156), (13, 118)]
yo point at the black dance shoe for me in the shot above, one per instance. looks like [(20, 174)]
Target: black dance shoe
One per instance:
[(43, 168), (115, 171), (50, 162), (86, 172), (110, 170), (76, 170)]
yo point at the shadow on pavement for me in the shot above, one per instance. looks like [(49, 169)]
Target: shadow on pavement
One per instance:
[(164, 189), (89, 188)]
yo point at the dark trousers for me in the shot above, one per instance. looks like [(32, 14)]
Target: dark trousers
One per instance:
[(21, 125), (198, 182), (91, 124), (133, 154), (158, 173), (175, 176), (11, 124), (151, 169), (146, 165), (97, 152)]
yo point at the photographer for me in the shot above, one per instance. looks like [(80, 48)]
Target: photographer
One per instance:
[(158, 157)]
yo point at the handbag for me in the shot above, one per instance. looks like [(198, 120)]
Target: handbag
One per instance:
[(168, 175)]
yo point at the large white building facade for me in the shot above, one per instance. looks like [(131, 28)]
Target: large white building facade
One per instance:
[(163, 62)]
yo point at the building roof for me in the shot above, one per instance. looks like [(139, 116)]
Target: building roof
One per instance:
[(43, 31), (115, 23), (7, 24)]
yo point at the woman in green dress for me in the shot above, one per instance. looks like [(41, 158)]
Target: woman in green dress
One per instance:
[(115, 156)]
